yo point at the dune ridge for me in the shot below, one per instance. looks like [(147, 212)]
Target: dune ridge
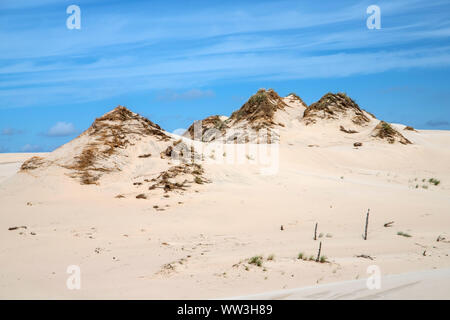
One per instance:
[(150, 214)]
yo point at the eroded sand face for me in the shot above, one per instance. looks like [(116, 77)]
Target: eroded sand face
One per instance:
[(198, 246)]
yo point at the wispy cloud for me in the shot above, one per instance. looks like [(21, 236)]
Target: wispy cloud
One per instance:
[(10, 131), (31, 148), (438, 123), (61, 129), (193, 94), (197, 46), (23, 4)]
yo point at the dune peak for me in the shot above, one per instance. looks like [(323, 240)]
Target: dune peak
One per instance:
[(260, 109), (386, 132), (103, 147), (334, 107)]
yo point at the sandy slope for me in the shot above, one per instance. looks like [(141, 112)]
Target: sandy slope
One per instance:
[(430, 284), (199, 245), (11, 162)]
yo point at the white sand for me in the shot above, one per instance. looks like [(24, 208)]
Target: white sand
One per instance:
[(430, 284), (122, 245), (11, 162)]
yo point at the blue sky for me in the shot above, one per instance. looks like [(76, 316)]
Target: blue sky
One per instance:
[(178, 61)]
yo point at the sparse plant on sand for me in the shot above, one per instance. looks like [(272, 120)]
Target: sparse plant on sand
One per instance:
[(256, 260), (323, 259), (271, 257), (301, 256), (198, 180), (404, 234), (434, 181)]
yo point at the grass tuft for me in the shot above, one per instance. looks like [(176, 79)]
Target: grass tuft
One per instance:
[(256, 260), (434, 181)]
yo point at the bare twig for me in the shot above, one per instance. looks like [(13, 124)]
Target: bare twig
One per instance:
[(388, 224), (365, 256)]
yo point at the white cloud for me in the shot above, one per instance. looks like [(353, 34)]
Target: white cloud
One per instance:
[(61, 129), (438, 123), (269, 40), (192, 94), (179, 131), (10, 131), (31, 148)]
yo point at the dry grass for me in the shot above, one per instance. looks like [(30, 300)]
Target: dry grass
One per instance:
[(256, 260), (385, 131), (207, 135), (165, 179), (260, 109), (107, 135), (32, 163), (331, 105)]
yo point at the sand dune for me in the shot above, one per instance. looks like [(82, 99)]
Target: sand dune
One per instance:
[(193, 232), (431, 284)]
